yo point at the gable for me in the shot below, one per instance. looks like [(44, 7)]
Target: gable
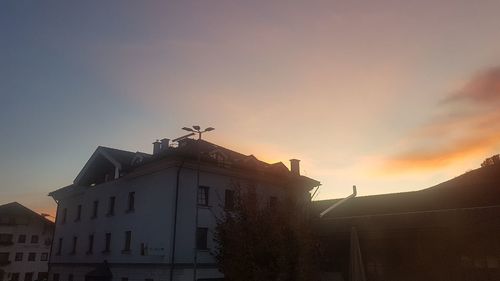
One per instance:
[(101, 167)]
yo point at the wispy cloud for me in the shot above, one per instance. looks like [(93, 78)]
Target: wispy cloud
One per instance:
[(467, 125), (483, 89)]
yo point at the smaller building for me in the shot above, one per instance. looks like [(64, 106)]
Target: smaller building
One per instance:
[(25, 242)]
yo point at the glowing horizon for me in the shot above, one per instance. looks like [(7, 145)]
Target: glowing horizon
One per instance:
[(388, 96)]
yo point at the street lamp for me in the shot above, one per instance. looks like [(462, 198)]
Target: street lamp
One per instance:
[(197, 129)]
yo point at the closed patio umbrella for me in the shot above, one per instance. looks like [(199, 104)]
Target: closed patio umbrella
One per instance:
[(357, 270)]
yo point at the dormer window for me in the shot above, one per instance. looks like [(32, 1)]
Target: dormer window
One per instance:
[(219, 157), (102, 167)]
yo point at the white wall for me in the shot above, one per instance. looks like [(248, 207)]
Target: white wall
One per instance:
[(35, 227), (151, 223)]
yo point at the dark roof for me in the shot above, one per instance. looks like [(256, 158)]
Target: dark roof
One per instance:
[(124, 157), (480, 187), (14, 208), (190, 148), (63, 191), (187, 149)]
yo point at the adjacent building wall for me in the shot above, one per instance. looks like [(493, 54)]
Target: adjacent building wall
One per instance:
[(151, 224), (32, 251)]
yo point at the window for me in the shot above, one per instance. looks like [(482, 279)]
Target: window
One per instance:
[(219, 158), (94, 209), (70, 277), (59, 246), (107, 243), (14, 277), (229, 199), (64, 214), (31, 256), (28, 276), (42, 276), (4, 258), (90, 248), (201, 238), (6, 239), (111, 206), (128, 238), (75, 240), (19, 257), (202, 197), (273, 202), (78, 213), (34, 239), (55, 277), (4, 220), (44, 257), (21, 238), (131, 202)]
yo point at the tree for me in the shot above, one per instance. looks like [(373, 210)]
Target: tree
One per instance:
[(265, 243)]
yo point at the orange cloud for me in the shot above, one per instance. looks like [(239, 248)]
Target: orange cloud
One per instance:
[(439, 157), (467, 126)]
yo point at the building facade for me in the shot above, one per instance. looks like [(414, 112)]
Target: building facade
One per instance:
[(25, 239), (136, 216), (446, 232)]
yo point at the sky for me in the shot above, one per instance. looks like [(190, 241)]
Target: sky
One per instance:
[(390, 96)]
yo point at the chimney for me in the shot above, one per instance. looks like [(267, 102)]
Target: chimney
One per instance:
[(156, 147), (165, 144), (295, 166)]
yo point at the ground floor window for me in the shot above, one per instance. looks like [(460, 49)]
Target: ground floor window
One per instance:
[(14, 277), (201, 238), (28, 276)]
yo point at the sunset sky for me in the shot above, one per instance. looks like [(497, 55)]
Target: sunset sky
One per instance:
[(389, 95)]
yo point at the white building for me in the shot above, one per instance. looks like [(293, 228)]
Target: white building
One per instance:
[(25, 239), (150, 217)]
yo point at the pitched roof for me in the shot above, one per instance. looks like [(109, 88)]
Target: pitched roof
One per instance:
[(190, 147), (122, 161), (480, 187), (16, 208), (123, 156)]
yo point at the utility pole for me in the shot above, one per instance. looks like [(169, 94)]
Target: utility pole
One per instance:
[(197, 129)]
